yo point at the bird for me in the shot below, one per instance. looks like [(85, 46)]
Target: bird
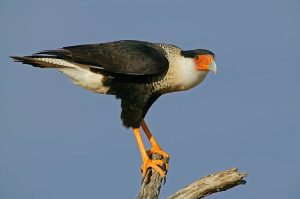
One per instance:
[(137, 73)]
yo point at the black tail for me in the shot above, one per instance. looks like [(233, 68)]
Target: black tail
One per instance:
[(59, 54)]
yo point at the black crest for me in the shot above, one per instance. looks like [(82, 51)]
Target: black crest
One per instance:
[(194, 53)]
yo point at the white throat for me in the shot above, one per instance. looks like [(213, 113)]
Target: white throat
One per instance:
[(186, 73)]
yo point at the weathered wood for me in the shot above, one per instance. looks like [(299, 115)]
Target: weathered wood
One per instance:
[(217, 182)]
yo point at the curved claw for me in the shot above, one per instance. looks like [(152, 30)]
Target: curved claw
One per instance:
[(164, 180), (154, 164)]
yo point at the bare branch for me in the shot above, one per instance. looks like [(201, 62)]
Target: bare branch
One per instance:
[(217, 182)]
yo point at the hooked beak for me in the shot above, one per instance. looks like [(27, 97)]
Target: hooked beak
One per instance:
[(213, 67)]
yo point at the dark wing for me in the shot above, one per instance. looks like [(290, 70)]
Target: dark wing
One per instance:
[(120, 57)]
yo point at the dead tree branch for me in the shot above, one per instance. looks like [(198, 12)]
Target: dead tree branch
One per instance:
[(217, 182), (213, 183)]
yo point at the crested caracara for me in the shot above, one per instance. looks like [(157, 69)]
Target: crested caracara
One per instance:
[(136, 72)]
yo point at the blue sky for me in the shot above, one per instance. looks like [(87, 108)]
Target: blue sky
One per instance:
[(59, 141)]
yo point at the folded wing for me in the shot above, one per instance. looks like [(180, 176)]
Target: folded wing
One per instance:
[(120, 57)]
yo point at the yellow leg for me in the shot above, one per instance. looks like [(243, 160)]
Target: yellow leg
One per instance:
[(155, 146), (147, 162)]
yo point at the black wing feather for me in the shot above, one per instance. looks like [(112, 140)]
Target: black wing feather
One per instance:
[(121, 57)]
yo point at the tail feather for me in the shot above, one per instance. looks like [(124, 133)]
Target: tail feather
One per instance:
[(79, 74), (31, 60), (59, 53), (42, 61)]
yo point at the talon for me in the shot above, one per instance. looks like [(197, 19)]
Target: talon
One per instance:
[(164, 180), (155, 165)]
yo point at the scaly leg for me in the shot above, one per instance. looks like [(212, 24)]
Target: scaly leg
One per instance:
[(155, 146), (147, 162)]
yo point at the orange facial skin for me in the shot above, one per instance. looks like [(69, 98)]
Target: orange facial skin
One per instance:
[(203, 62)]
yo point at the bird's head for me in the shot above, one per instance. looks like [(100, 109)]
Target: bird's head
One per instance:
[(204, 59)]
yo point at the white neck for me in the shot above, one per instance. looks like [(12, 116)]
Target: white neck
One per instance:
[(186, 74)]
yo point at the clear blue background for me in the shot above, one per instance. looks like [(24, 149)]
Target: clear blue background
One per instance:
[(59, 141)]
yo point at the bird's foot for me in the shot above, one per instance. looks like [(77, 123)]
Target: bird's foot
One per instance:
[(155, 165), (165, 157), (158, 151)]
